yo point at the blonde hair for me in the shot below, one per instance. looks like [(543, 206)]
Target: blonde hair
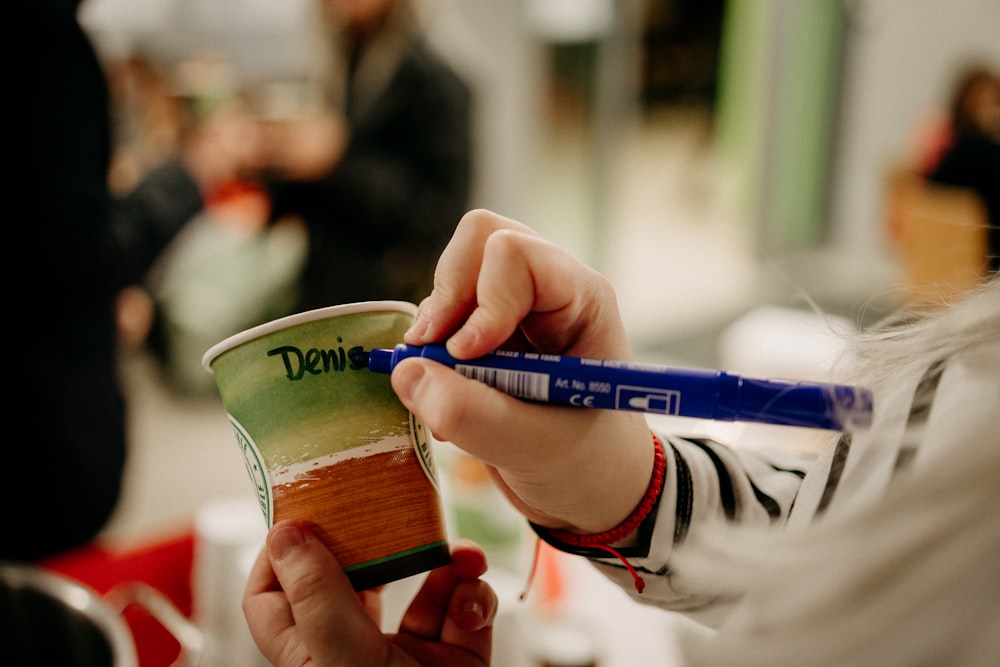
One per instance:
[(912, 578), (917, 338)]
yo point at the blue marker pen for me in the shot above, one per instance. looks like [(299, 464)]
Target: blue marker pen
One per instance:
[(619, 385)]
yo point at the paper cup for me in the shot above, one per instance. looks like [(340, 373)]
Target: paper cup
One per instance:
[(327, 442)]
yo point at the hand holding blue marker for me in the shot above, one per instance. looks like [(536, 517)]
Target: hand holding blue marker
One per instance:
[(665, 390)]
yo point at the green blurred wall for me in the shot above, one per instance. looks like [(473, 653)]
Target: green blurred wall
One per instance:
[(776, 115)]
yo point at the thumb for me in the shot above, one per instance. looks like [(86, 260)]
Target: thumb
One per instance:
[(328, 614), (483, 421)]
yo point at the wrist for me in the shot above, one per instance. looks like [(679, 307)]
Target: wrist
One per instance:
[(627, 527), (630, 538), (617, 478)]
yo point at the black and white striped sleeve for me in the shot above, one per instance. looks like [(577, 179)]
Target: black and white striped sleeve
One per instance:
[(707, 480)]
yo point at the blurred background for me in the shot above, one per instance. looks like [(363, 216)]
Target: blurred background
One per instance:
[(728, 164)]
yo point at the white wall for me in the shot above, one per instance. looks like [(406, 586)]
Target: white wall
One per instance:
[(490, 45), (902, 56)]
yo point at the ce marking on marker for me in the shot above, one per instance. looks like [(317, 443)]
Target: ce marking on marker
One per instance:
[(581, 400)]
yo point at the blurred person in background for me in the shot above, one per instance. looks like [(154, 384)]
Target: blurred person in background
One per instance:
[(971, 110), (381, 172), (75, 248), (970, 157), (145, 117), (228, 269)]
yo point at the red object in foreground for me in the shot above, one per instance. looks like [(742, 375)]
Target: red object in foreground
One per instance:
[(164, 564)]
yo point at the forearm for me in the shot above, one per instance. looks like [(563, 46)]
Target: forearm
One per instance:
[(144, 221)]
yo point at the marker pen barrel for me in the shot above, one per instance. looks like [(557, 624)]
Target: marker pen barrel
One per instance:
[(619, 385)]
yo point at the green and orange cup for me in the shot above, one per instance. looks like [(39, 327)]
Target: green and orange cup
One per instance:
[(327, 442)]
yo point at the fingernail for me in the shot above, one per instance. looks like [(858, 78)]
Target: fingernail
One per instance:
[(461, 341), (285, 538), (405, 380), (418, 328), (473, 607)]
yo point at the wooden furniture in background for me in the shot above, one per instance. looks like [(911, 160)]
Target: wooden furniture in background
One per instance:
[(940, 233)]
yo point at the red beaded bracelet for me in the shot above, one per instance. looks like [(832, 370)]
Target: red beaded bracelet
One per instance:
[(603, 541)]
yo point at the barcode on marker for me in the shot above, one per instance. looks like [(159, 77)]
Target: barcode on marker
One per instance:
[(520, 384)]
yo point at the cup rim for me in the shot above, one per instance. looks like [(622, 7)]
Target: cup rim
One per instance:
[(301, 318)]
